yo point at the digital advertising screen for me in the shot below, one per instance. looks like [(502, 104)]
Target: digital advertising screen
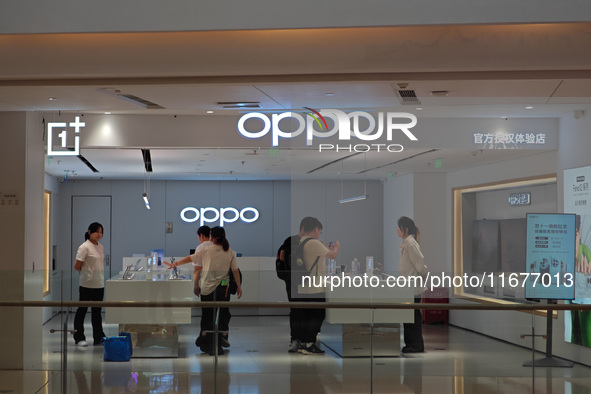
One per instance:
[(550, 256)]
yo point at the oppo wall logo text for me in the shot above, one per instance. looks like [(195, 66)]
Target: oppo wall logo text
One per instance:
[(223, 215), (345, 125)]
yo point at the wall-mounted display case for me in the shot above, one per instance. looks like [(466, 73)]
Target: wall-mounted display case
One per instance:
[(489, 235)]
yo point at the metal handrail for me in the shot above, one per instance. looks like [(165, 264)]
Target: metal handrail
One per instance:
[(317, 305)]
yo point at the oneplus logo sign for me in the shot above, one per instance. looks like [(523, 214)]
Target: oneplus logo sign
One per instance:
[(60, 127)]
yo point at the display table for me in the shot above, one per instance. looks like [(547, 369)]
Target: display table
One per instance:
[(154, 331), (348, 332)]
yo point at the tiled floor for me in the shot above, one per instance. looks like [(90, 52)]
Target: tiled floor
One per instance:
[(455, 361)]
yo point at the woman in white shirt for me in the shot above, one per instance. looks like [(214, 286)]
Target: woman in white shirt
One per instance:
[(89, 263), (212, 263), (412, 264)]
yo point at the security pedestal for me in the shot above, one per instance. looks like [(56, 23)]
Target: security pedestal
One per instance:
[(548, 361)]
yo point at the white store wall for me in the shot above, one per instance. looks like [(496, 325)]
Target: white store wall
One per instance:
[(420, 197), (398, 201)]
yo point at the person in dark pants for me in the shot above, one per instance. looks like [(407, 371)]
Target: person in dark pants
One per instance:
[(314, 254), (282, 255), (412, 264), (212, 263), (89, 263)]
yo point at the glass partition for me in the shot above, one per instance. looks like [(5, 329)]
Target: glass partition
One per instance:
[(362, 348)]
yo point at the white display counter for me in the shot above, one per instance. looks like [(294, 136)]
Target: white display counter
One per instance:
[(381, 294), (354, 332), (259, 284), (140, 289), (154, 331)]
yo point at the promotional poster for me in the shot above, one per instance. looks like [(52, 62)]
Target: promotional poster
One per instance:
[(550, 256), (577, 200)]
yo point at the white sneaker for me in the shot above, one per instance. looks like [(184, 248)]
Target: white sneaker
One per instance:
[(82, 344)]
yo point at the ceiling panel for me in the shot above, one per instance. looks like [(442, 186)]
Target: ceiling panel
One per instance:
[(487, 70)]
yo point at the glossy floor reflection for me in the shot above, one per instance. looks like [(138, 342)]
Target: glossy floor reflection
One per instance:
[(456, 361)]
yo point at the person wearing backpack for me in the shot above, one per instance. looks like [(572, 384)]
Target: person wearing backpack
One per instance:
[(283, 267), (309, 257)]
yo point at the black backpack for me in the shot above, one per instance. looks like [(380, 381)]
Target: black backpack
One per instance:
[(283, 267), (298, 266), (233, 286)]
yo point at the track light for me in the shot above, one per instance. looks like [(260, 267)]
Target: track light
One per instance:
[(351, 199), (145, 196), (358, 198)]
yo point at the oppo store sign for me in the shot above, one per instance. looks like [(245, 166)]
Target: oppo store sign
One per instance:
[(347, 125), (223, 215)]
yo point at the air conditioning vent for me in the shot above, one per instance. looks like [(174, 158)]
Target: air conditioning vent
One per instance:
[(408, 96)]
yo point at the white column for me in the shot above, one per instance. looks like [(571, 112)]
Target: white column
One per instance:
[(21, 237)]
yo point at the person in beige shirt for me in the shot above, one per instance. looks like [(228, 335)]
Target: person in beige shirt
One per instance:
[(412, 264), (213, 265), (315, 253)]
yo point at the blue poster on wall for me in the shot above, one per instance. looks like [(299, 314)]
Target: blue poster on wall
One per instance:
[(550, 256)]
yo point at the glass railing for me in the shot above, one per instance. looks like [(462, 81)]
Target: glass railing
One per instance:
[(468, 346)]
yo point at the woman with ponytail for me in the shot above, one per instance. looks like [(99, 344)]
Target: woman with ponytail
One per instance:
[(212, 264), (412, 264), (89, 263)]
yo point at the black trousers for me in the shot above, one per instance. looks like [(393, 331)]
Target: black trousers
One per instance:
[(88, 294), (293, 323), (413, 332), (308, 322), (208, 316)]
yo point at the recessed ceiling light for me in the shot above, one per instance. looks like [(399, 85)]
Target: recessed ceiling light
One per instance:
[(529, 107), (53, 99), (107, 113), (210, 112)]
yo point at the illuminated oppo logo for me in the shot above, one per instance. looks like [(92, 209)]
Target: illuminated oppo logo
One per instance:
[(341, 121), (224, 215)]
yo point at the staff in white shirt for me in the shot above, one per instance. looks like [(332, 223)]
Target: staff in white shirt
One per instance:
[(89, 263)]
